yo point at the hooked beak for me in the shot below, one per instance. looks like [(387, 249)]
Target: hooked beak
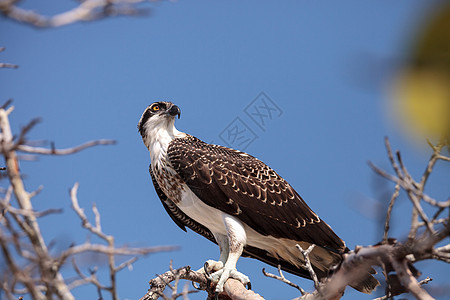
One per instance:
[(174, 111)]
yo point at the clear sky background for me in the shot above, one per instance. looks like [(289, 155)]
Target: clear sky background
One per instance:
[(326, 65)]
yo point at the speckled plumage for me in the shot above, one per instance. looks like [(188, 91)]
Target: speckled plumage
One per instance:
[(241, 185)]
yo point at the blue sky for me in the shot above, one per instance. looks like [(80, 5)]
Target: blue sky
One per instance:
[(327, 66)]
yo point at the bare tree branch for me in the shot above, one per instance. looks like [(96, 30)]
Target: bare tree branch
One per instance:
[(6, 65), (88, 10), (408, 280), (36, 150), (389, 211), (29, 223), (283, 279), (158, 284), (110, 250), (308, 266), (233, 289)]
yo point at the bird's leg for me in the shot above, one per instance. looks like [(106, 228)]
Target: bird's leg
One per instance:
[(212, 266), (229, 271), (237, 238)]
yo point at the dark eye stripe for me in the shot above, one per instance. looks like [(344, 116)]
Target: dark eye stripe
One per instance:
[(150, 112), (162, 105), (147, 114)]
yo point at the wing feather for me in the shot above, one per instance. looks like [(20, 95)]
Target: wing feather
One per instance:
[(241, 185)]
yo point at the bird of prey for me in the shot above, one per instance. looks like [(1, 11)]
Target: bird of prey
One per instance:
[(236, 201)]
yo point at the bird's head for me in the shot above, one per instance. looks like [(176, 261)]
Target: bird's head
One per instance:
[(159, 117)]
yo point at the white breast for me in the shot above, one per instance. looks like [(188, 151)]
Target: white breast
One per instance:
[(206, 215)]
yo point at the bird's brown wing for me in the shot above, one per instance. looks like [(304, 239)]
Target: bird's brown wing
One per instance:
[(243, 186)]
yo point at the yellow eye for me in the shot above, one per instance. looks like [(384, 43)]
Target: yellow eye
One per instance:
[(155, 108)]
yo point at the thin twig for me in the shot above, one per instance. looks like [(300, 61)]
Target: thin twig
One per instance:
[(391, 158), (389, 211), (37, 150), (412, 194), (6, 65), (435, 156), (25, 130), (307, 264), (283, 279)]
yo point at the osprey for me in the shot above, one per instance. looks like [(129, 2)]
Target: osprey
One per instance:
[(235, 200)]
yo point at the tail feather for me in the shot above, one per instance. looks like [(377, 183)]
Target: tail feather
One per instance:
[(366, 285)]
